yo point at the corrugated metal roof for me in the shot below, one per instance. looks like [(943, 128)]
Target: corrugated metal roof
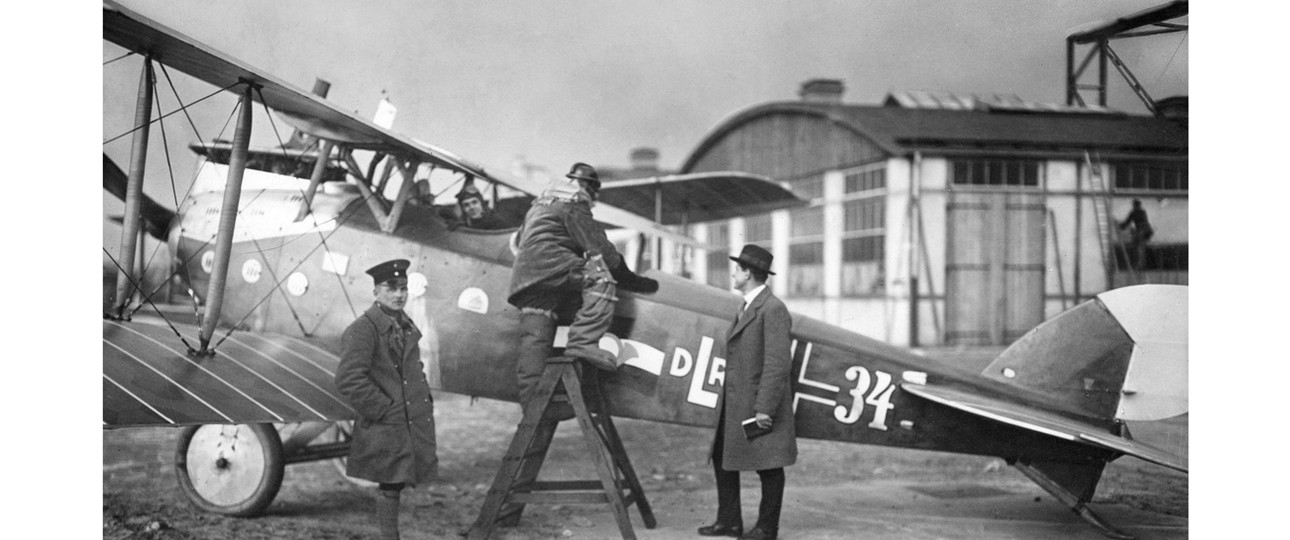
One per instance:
[(899, 129), (916, 99)]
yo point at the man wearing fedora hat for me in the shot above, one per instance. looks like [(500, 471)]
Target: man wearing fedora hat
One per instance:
[(757, 390), (566, 269), (381, 376)]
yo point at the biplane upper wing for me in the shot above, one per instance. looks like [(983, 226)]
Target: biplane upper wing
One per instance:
[(305, 111), (149, 378), (1044, 422), (699, 197), (312, 114)]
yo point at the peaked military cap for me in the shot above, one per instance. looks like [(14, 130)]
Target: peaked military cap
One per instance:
[(755, 256), (381, 273), (582, 171)]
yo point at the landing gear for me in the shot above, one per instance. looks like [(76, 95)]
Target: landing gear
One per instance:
[(234, 470)]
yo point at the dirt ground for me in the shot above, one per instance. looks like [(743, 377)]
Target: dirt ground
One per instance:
[(142, 500)]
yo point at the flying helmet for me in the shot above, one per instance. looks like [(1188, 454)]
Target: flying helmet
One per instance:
[(582, 171)]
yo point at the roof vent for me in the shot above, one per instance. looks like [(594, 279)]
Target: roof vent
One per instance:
[(822, 91), (644, 158)]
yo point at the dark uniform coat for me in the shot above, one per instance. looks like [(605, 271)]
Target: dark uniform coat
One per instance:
[(393, 439), (759, 368), (558, 231)]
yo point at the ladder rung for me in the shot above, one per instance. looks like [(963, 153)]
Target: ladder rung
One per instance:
[(560, 497), (522, 457), (557, 485)]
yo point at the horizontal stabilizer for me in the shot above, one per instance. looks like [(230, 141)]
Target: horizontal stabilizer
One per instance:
[(1043, 422), (1138, 450)]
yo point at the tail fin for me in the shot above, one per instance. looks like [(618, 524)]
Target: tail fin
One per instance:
[(1122, 355)]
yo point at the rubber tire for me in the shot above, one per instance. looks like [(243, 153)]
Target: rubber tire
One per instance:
[(269, 481)]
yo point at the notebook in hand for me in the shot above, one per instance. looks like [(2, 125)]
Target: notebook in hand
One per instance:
[(752, 430)]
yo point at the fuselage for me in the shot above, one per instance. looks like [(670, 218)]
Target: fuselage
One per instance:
[(306, 278)]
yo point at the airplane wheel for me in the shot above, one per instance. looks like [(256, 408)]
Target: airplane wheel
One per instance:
[(234, 470), (340, 432)]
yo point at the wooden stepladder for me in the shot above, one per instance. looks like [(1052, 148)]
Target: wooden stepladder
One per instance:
[(516, 483)]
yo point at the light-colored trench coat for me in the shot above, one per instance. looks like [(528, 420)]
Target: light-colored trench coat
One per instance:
[(759, 368), (393, 439)]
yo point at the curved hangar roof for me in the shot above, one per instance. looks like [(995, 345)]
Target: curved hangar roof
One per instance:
[(900, 127)]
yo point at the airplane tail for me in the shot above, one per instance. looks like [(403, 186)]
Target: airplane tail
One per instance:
[(1121, 355)]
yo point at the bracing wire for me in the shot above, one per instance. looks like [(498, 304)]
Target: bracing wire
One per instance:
[(278, 284), (177, 98), (154, 306), (118, 58), (1171, 58), (160, 118), (165, 146)]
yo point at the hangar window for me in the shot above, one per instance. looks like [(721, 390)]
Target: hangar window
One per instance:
[(718, 259), (868, 180), (995, 172), (863, 239), (1149, 176), (757, 230), (806, 252)]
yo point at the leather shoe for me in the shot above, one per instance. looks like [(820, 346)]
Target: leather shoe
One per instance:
[(758, 533), (718, 529)]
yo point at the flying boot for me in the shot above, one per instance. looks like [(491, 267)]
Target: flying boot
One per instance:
[(592, 320)]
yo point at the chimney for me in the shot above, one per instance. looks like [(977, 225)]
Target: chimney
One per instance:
[(822, 91), (644, 158)]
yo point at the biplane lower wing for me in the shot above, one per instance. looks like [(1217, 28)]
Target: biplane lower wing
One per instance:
[(1044, 422), (150, 379)]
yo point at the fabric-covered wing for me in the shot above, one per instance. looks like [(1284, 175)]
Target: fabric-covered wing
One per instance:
[(1043, 422), (300, 108), (699, 197), (149, 379)]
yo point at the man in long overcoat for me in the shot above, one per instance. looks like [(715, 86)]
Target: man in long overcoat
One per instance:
[(757, 387), (381, 376)]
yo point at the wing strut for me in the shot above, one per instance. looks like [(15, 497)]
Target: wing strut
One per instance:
[(227, 220), (315, 179), (405, 193), (134, 189)]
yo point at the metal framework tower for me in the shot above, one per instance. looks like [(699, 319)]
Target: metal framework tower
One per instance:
[(1148, 22)]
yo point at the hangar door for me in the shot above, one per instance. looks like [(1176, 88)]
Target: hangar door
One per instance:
[(994, 267)]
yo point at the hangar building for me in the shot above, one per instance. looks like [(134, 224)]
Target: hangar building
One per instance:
[(1000, 212)]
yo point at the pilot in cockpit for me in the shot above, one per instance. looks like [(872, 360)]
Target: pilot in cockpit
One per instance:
[(475, 212)]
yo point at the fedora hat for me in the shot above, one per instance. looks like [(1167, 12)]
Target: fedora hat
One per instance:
[(755, 256)]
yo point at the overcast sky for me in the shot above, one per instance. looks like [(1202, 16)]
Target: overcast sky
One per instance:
[(571, 80)]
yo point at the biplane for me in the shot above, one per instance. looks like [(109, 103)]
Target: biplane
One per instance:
[(271, 245)]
